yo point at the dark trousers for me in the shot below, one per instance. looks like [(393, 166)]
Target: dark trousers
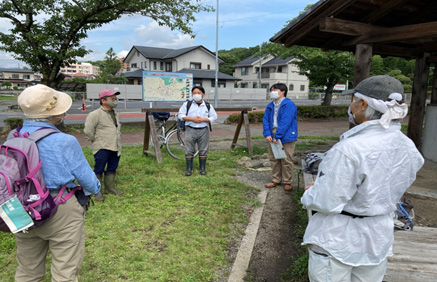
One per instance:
[(103, 157)]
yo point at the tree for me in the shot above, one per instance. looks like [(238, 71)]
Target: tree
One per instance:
[(7, 84), (54, 41), (109, 69), (233, 56)]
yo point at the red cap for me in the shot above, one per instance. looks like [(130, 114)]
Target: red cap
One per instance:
[(106, 93)]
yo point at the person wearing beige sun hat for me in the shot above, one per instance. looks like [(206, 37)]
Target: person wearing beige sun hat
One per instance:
[(63, 163)]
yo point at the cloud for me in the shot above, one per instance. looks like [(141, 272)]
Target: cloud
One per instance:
[(122, 54), (155, 35)]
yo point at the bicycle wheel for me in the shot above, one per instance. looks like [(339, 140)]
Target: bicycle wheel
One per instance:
[(174, 143), (161, 138)]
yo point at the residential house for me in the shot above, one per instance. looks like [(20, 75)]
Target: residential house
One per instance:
[(273, 70), (90, 71), (20, 78), (196, 60), (124, 66)]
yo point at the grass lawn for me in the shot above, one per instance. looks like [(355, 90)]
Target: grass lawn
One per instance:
[(8, 97), (165, 227)]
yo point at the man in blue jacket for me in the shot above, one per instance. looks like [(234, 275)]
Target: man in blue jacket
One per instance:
[(280, 123)]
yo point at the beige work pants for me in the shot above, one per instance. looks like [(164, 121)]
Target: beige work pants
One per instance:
[(282, 170), (64, 235)]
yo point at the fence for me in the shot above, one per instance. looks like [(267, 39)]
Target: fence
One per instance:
[(135, 92)]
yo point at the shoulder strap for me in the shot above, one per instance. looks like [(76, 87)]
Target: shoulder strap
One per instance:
[(208, 105), (41, 133), (189, 103)]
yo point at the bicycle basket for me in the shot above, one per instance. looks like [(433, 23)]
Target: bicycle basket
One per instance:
[(161, 115)]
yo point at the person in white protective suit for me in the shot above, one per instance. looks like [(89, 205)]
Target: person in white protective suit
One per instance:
[(359, 182)]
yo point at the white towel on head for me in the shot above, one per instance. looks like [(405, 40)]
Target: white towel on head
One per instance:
[(390, 109), (395, 96)]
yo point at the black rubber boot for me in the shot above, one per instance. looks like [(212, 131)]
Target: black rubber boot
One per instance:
[(99, 195), (189, 162), (202, 164)]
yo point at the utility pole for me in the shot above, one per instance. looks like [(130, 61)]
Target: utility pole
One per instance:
[(216, 56), (259, 69)]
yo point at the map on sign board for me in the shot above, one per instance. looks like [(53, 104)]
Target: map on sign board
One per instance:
[(166, 86)]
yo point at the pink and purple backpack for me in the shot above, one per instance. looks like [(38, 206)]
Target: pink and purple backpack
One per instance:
[(20, 175)]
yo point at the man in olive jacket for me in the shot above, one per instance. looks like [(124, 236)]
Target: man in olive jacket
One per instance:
[(102, 128)]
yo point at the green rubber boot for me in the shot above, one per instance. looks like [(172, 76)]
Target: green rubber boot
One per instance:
[(110, 184), (99, 195)]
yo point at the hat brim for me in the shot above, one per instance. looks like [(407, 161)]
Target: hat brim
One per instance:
[(348, 92), (63, 104)]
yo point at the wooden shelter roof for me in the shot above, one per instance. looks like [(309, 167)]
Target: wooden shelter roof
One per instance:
[(401, 28)]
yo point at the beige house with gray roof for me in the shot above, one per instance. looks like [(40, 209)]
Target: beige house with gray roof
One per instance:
[(273, 70)]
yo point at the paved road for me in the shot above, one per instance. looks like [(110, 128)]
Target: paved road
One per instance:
[(131, 111)]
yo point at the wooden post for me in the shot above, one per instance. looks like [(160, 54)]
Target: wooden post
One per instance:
[(363, 57), (150, 127), (418, 100), (434, 87), (246, 127), (243, 119)]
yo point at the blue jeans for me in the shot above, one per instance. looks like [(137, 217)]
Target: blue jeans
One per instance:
[(103, 157)]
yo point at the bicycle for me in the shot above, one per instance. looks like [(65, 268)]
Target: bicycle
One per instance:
[(172, 138)]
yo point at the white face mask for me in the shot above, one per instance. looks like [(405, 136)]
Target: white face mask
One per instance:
[(352, 116), (197, 97), (274, 95)]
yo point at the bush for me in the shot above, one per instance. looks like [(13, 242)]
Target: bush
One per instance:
[(303, 112), (254, 117), (13, 122)]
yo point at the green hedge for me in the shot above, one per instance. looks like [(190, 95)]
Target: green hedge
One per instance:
[(303, 112), (13, 122)]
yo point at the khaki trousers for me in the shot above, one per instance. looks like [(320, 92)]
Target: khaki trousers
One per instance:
[(282, 170), (64, 235)]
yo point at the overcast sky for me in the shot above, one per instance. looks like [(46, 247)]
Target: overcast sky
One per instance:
[(242, 23)]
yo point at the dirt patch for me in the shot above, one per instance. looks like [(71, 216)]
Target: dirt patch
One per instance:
[(275, 243), (425, 209)]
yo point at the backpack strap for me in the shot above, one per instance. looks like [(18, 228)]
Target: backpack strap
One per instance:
[(41, 133), (189, 103), (59, 200), (208, 106)]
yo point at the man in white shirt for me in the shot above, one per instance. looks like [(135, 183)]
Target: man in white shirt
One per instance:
[(197, 120), (359, 182)]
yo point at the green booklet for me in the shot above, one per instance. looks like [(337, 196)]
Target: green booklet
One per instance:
[(15, 216)]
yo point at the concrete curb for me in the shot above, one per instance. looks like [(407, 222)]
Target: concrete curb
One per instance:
[(244, 254)]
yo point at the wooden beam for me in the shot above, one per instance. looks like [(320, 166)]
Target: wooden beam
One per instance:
[(396, 51), (432, 59), (400, 33), (289, 37), (345, 27), (418, 100), (382, 11)]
